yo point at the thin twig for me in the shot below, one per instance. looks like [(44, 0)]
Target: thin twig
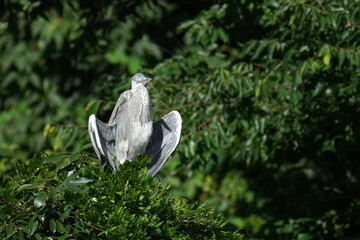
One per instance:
[(13, 205), (92, 226), (68, 125), (194, 220)]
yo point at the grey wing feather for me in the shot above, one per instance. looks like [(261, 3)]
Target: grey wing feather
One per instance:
[(124, 97), (120, 118), (164, 140), (103, 139)]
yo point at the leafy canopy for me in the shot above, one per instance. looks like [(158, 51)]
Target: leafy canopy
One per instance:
[(70, 196)]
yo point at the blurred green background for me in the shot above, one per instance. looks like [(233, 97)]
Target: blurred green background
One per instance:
[(269, 93)]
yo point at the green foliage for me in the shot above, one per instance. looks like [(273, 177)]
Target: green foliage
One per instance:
[(272, 114), (69, 196)]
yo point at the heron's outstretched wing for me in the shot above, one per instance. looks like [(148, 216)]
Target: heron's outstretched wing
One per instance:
[(119, 107), (120, 118), (109, 139), (164, 140), (103, 140)]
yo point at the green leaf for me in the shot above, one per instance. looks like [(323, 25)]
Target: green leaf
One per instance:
[(217, 62), (52, 225), (341, 57), (33, 226), (93, 106), (27, 187), (55, 158), (10, 230), (60, 227), (326, 58), (81, 180), (38, 236), (132, 62), (40, 200), (21, 236)]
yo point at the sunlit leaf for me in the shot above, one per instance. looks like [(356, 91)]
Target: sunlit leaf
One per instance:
[(52, 225), (40, 200), (27, 187)]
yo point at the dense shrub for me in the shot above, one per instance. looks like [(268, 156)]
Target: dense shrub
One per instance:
[(69, 196)]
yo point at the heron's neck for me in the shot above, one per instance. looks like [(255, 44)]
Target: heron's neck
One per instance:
[(142, 105), (135, 85)]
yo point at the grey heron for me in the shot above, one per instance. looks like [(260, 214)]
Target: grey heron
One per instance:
[(131, 131)]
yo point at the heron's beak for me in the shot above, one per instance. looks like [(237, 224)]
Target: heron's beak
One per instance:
[(145, 80)]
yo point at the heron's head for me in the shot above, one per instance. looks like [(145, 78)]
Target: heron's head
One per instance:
[(140, 78)]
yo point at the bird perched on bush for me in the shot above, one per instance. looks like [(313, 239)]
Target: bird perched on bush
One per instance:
[(131, 131)]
